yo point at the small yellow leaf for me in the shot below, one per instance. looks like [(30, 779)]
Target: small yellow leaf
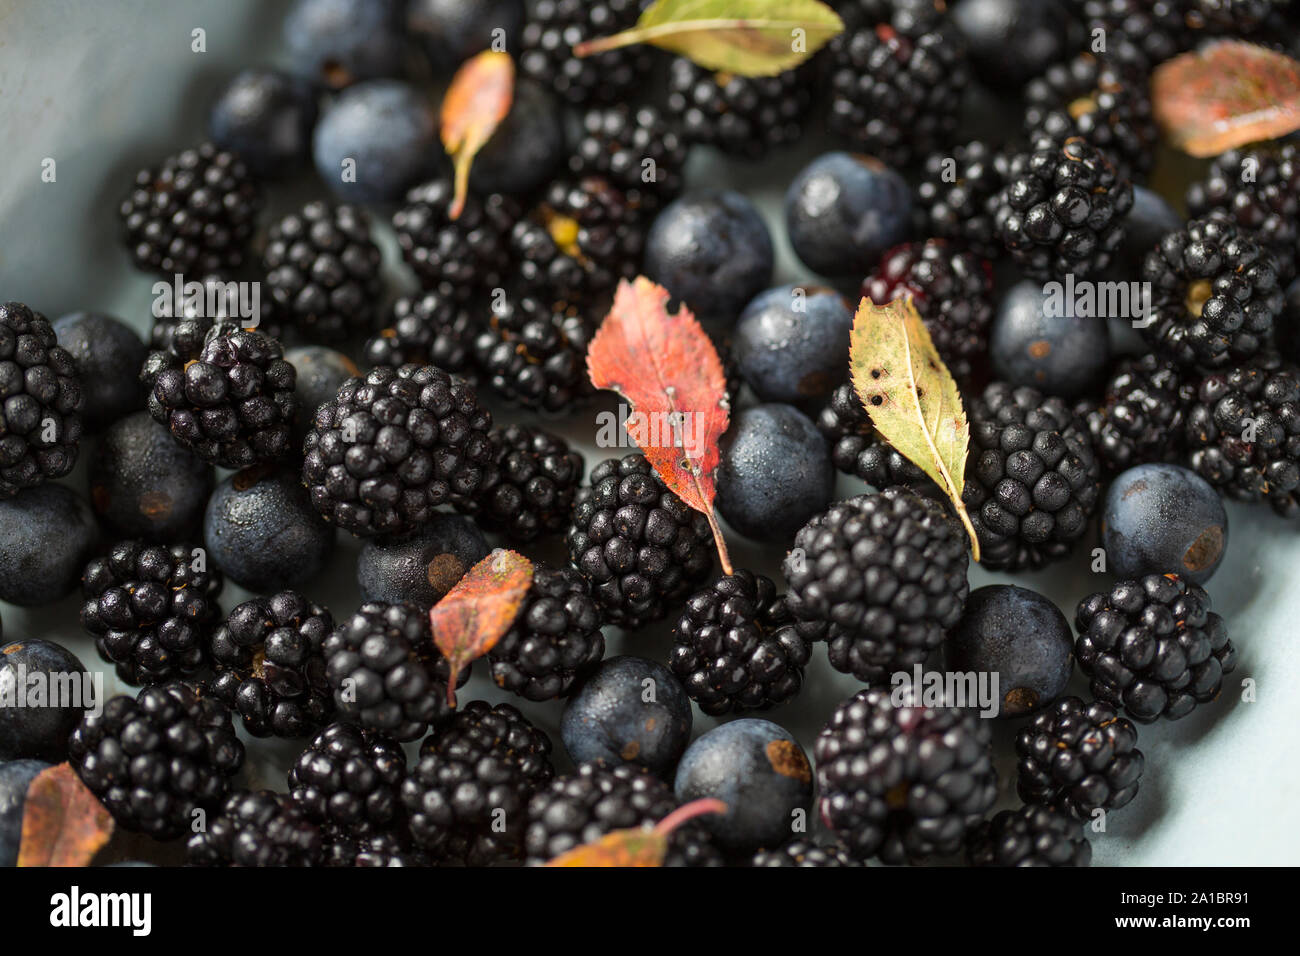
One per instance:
[(477, 100)]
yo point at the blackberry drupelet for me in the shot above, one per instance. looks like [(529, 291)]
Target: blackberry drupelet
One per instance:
[(370, 848), (745, 116), (429, 329), (1157, 28), (958, 203), (804, 853), (386, 673), (615, 144), (155, 759), (529, 490), (1032, 477), (1030, 836), (256, 828), (1215, 294), (903, 782), (737, 647), (348, 779), (953, 292), (555, 639), (1142, 414), (1062, 210), (640, 547), (1154, 646), (322, 270), (194, 213), (467, 794), (553, 28), (152, 610), (1233, 17), (535, 355), (270, 667), (857, 448), (182, 317), (461, 258), (1078, 757), (885, 574), (393, 446), (40, 417)]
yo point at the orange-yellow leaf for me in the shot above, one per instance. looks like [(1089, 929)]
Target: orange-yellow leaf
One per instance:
[(639, 846), (63, 823), (477, 100)]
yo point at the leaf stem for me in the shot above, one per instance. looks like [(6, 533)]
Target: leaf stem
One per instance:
[(689, 811), (723, 557)]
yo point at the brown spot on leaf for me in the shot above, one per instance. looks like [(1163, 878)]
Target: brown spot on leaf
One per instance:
[(1205, 550), (787, 758)]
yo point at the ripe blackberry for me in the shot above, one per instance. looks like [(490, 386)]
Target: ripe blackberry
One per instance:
[(192, 214), (640, 547), (953, 291), (885, 574), (1062, 210), (555, 639), (737, 647), (322, 270), (155, 759), (1154, 646), (1158, 29), (857, 448), (1215, 294), (957, 194), (370, 848), (1142, 414), (1243, 432), (347, 780), (393, 446), (386, 672), (597, 798), (429, 329), (742, 115), (555, 26), (529, 490), (804, 853), (232, 403), (151, 610), (903, 782), (467, 795), (1078, 757), (40, 420), (462, 258), (1032, 477), (270, 668), (535, 355), (182, 317), (1233, 17), (615, 145), (1030, 836), (256, 828)]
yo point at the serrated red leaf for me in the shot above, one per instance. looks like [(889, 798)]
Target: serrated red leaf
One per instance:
[(63, 823), (477, 100), (477, 612), (666, 368), (1226, 94)]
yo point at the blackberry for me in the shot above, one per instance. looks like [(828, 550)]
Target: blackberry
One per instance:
[(953, 291), (1078, 757), (857, 448), (745, 116), (183, 315), (322, 270), (1234, 17), (1030, 836), (1154, 646), (553, 28), (1243, 432), (270, 668), (386, 673), (535, 355), (615, 144), (429, 329), (1215, 294), (457, 258), (1032, 477), (1158, 29), (885, 574), (467, 795), (903, 782), (598, 798), (232, 403), (154, 759), (1142, 413), (371, 848), (40, 418), (640, 546), (1062, 210), (256, 828), (804, 853), (957, 193), (347, 780), (393, 446), (737, 647), (555, 639), (194, 213), (151, 610), (529, 490)]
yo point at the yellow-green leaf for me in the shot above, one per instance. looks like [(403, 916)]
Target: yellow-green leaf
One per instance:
[(745, 37), (911, 396)]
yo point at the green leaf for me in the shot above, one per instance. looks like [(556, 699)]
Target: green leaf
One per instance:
[(745, 37), (911, 396)]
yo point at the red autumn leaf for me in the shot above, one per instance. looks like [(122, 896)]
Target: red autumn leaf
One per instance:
[(63, 823), (1226, 94), (667, 369), (477, 612), (477, 100), (638, 846)]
